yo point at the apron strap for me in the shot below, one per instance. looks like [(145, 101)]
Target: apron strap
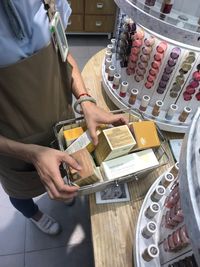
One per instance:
[(50, 7)]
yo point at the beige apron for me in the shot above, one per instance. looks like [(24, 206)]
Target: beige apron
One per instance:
[(35, 93)]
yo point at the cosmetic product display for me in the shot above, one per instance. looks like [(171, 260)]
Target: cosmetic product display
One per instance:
[(171, 111), (108, 62), (116, 81), (133, 96), (144, 103), (123, 89), (158, 57), (167, 179), (111, 72), (156, 108), (166, 8), (151, 252), (183, 116), (149, 229), (173, 225)]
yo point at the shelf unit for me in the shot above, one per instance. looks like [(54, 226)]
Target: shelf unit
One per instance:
[(92, 17)]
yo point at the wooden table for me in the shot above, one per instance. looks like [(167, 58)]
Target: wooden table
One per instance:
[(113, 225)]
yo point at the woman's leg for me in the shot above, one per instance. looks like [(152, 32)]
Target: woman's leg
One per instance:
[(30, 210), (26, 206)]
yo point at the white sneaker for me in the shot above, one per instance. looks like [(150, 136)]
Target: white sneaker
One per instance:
[(47, 225)]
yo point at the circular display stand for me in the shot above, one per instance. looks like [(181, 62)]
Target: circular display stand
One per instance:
[(122, 102), (141, 243), (172, 27), (190, 182)]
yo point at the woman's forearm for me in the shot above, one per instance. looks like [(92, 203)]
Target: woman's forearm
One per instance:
[(15, 149), (78, 86)]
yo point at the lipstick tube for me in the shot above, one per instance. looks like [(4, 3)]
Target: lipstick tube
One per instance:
[(144, 103), (149, 229), (108, 55), (123, 88), (116, 81), (184, 236), (138, 78), (149, 41), (152, 210), (183, 116), (157, 107), (111, 72), (171, 111), (108, 63), (158, 193), (167, 179), (166, 6), (133, 96), (110, 47), (151, 252)]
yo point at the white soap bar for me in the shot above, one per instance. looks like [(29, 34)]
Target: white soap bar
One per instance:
[(125, 165)]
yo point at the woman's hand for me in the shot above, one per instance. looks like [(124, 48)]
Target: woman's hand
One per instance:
[(95, 116), (47, 162)]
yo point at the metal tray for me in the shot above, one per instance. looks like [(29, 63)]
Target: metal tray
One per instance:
[(160, 153)]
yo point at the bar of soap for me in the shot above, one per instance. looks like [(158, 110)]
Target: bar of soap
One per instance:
[(89, 173), (114, 142), (145, 134)]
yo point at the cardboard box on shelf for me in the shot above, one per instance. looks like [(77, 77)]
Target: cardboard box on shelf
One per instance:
[(114, 142)]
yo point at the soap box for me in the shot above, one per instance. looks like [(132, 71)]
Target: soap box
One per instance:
[(114, 142), (128, 164), (145, 134), (89, 173), (71, 135)]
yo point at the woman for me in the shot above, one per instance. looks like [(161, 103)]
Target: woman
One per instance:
[(36, 90)]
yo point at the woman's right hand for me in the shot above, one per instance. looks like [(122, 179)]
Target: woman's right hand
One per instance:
[(47, 162)]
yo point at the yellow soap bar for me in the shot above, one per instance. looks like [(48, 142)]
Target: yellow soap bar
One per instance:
[(72, 134), (145, 134)]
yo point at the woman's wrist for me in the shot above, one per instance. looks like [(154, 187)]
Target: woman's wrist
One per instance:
[(83, 102)]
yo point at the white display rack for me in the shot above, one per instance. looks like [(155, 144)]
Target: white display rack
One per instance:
[(141, 243), (122, 102), (190, 182), (172, 27)]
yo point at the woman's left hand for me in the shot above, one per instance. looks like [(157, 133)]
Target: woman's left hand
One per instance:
[(96, 116)]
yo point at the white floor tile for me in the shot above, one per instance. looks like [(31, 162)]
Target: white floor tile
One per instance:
[(16, 260), (12, 231)]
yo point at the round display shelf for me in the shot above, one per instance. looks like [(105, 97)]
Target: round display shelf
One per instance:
[(141, 243), (152, 232), (190, 182), (142, 240), (122, 102), (174, 26)]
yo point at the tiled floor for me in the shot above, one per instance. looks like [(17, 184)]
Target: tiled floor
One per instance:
[(84, 47), (21, 244)]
